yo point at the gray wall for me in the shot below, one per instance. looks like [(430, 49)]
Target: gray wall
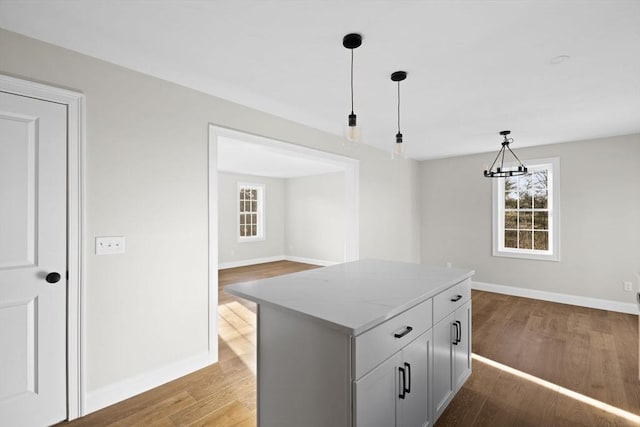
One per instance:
[(315, 217), (229, 249), (146, 178), (599, 210), (304, 218)]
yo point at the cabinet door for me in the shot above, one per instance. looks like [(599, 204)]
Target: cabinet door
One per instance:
[(442, 363), (415, 409), (462, 350), (376, 393)]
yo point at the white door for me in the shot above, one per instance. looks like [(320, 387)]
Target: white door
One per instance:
[(33, 135)]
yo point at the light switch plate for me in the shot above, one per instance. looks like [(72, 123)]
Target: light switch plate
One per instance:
[(109, 245)]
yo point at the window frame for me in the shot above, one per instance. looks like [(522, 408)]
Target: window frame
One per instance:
[(552, 165), (260, 220)]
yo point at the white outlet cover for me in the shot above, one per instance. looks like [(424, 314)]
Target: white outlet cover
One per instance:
[(628, 286), (109, 245)]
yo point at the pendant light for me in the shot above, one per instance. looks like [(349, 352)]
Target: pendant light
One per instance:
[(398, 151), (500, 171), (352, 132)]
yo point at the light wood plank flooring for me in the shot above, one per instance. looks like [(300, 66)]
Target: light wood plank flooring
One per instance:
[(592, 352)]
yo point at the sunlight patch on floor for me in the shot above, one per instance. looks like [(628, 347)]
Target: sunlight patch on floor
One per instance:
[(236, 326), (559, 389)]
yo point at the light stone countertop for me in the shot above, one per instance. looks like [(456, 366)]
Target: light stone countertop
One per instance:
[(353, 297)]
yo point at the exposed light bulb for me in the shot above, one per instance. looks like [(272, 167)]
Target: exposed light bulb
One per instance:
[(398, 150), (353, 132)]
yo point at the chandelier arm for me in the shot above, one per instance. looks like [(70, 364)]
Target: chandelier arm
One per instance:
[(516, 157), (495, 160), (502, 150)]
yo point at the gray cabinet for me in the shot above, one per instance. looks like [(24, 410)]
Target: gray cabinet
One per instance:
[(451, 346), (414, 400), (376, 393), (462, 349), (354, 345), (397, 392)]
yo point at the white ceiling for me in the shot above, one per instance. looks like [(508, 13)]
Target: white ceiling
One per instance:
[(238, 156), (475, 67)]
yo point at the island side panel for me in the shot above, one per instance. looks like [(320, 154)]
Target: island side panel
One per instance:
[(304, 371)]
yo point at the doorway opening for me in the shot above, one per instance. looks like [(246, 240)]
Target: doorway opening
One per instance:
[(306, 188)]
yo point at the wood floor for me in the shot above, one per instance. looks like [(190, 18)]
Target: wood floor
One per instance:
[(588, 351), (592, 352)]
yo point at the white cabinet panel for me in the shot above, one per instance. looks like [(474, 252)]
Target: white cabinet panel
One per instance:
[(462, 350), (451, 356), (450, 300), (442, 363), (375, 395), (397, 392), (386, 339), (415, 408)]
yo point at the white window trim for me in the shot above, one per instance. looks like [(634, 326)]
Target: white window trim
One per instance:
[(553, 254), (261, 213)]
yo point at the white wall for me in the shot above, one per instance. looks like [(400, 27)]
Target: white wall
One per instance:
[(229, 248), (599, 210), (315, 217), (146, 179)]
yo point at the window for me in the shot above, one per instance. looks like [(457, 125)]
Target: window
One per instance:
[(251, 212), (526, 213)]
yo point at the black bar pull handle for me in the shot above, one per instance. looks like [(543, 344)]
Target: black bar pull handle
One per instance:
[(459, 338), (402, 378), (408, 383), (456, 298), (403, 333), (455, 333)]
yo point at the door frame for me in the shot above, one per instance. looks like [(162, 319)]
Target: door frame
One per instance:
[(76, 129)]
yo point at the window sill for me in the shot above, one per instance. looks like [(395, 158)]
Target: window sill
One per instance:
[(527, 255), (250, 239)]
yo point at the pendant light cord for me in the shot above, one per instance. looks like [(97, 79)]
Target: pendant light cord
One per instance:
[(399, 107), (351, 81)]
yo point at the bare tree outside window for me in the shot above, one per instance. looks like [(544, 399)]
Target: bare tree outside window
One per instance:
[(526, 214)]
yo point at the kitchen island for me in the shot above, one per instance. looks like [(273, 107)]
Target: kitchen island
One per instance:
[(365, 343)]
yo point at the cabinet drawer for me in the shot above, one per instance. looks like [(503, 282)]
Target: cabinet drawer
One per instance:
[(377, 344), (448, 301)]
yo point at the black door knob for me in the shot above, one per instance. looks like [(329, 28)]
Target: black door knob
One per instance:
[(53, 277)]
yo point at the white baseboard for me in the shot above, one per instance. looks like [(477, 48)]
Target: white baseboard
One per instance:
[(130, 387), (602, 304), (255, 261), (321, 262), (245, 262)]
